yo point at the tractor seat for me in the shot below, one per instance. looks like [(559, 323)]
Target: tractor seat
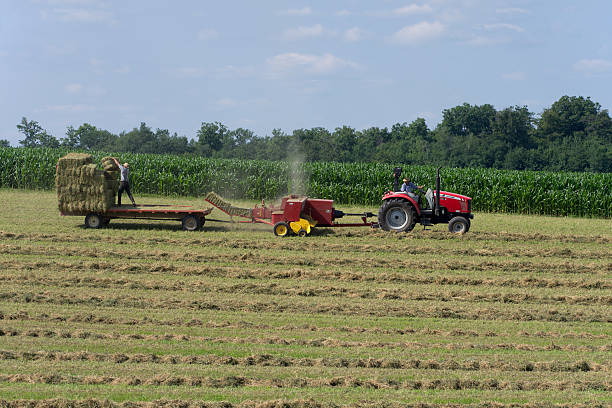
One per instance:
[(429, 197)]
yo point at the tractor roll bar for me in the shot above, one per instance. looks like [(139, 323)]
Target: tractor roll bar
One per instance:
[(437, 206)]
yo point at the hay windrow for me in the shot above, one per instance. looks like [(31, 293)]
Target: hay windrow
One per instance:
[(83, 188), (305, 382)]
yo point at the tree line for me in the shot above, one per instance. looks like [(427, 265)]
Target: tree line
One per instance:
[(574, 134)]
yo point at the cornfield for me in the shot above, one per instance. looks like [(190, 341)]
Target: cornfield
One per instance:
[(528, 192)]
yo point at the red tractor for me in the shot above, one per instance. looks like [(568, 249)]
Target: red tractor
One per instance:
[(400, 211)]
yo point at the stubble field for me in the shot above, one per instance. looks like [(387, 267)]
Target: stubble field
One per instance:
[(517, 312)]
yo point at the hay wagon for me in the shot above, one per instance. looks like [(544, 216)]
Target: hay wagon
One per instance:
[(191, 218), (83, 189)]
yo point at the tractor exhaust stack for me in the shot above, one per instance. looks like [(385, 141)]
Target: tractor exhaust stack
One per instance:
[(437, 205)]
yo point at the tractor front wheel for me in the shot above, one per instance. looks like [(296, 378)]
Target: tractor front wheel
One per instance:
[(281, 229), (459, 225), (397, 216)]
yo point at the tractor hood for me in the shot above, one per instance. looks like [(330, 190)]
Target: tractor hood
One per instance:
[(453, 196)]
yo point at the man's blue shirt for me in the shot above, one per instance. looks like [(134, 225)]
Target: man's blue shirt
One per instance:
[(409, 187)]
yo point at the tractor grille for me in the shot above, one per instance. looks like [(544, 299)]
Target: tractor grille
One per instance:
[(469, 205)]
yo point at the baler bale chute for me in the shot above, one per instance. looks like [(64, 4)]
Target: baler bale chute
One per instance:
[(296, 214)]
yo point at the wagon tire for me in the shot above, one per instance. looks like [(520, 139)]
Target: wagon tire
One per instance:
[(93, 221), (459, 225), (397, 216), (281, 229), (191, 223), (302, 233)]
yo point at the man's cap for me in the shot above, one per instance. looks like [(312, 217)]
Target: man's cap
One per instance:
[(405, 179)]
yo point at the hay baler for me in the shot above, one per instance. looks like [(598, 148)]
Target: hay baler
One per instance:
[(295, 215)]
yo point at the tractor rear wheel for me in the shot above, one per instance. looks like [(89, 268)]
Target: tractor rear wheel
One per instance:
[(397, 216), (459, 225), (281, 229)]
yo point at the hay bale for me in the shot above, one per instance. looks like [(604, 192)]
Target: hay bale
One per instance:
[(73, 160), (82, 187), (109, 164)]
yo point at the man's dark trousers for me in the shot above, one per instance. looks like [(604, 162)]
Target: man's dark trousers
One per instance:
[(124, 186)]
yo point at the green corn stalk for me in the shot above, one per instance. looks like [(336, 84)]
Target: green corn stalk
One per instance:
[(492, 190)]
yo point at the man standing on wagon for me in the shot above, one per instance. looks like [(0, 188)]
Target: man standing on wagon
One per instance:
[(124, 184)]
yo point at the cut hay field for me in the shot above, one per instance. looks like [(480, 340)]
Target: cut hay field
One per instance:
[(517, 312)]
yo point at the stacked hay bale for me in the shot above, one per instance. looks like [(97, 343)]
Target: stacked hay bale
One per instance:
[(82, 188)]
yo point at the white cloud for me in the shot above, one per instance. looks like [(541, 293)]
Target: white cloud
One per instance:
[(353, 34), (97, 65), (413, 9), (189, 72), (231, 71), (71, 2), (95, 90), (511, 10), (593, 66), (69, 108), (298, 12), (73, 15), (226, 102), (514, 76), (124, 69), (60, 50), (317, 64), (79, 89), (303, 32), (503, 26), (418, 33), (73, 88), (207, 34)]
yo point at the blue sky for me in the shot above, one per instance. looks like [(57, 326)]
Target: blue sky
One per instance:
[(292, 64)]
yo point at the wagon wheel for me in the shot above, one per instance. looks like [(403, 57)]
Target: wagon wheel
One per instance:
[(191, 223), (302, 233), (281, 229), (93, 221)]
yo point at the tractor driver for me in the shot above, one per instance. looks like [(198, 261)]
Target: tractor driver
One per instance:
[(410, 188)]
